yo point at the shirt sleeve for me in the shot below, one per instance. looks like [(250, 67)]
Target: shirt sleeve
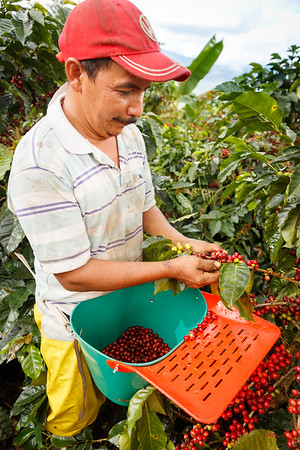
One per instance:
[(48, 212)]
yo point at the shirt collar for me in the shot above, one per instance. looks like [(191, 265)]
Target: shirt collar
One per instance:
[(69, 137)]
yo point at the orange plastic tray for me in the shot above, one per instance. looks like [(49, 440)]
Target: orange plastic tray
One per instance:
[(203, 376)]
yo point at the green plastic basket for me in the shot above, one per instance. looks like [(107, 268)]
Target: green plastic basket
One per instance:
[(100, 321)]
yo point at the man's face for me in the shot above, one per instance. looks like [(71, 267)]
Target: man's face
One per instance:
[(110, 102)]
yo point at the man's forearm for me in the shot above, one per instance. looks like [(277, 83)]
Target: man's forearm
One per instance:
[(103, 275), (155, 223)]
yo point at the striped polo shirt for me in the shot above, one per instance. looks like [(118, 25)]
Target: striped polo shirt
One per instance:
[(74, 203)]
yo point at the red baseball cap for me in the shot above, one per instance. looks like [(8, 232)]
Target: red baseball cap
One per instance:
[(119, 30)]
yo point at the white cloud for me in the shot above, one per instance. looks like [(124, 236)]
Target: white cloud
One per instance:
[(251, 31)]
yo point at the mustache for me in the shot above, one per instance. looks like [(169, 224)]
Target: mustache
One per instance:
[(126, 121)]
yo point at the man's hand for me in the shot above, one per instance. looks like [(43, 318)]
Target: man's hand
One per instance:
[(193, 271)]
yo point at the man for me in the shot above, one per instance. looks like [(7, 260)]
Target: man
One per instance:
[(81, 188)]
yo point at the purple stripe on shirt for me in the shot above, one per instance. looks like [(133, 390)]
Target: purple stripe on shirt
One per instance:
[(88, 213), (33, 210), (117, 242), (66, 258), (89, 174), (135, 155)]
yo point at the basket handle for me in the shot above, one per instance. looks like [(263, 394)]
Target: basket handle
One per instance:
[(118, 366)]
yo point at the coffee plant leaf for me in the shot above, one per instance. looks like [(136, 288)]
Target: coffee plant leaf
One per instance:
[(18, 298), (294, 187), (5, 160), (230, 165), (22, 25), (245, 307), (156, 403), (13, 347), (116, 431), (23, 437), (288, 154), (31, 361), (62, 441), (231, 90), (157, 248), (11, 233), (234, 278), (136, 403), (151, 433), (164, 284), (27, 396), (288, 221), (127, 442), (257, 439), (5, 26), (289, 230), (251, 104)]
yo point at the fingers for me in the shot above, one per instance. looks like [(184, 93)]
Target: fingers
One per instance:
[(208, 265), (194, 271), (203, 246), (204, 279)]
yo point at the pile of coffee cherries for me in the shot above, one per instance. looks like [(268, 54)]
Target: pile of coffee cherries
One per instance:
[(137, 345)]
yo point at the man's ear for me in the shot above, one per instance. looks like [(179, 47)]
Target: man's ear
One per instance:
[(74, 71)]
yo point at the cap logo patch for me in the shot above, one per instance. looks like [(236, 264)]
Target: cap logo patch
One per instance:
[(146, 27)]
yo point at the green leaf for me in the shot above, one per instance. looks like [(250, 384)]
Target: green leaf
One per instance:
[(18, 298), (294, 186), (184, 204), (157, 248), (31, 361), (201, 65), (23, 437), (151, 433), (288, 154), (136, 403), (258, 440), (5, 26), (291, 225), (62, 441), (251, 103), (273, 236), (23, 27), (271, 225), (28, 395), (37, 16), (230, 164), (5, 160), (234, 278), (156, 403), (163, 284), (245, 307), (229, 87), (11, 232), (116, 431), (215, 226)]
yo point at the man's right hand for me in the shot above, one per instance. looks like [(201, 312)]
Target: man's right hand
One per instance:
[(195, 272)]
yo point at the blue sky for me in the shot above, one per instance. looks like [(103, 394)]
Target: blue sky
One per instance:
[(251, 31)]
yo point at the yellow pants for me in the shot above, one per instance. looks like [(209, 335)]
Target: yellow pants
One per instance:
[(65, 387)]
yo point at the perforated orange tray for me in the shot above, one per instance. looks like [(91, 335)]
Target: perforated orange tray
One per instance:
[(203, 376)]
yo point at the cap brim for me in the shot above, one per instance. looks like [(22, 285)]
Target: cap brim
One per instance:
[(152, 66)]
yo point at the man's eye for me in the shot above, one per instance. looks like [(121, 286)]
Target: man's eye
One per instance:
[(124, 92)]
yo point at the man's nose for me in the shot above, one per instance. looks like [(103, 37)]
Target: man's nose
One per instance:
[(135, 107)]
